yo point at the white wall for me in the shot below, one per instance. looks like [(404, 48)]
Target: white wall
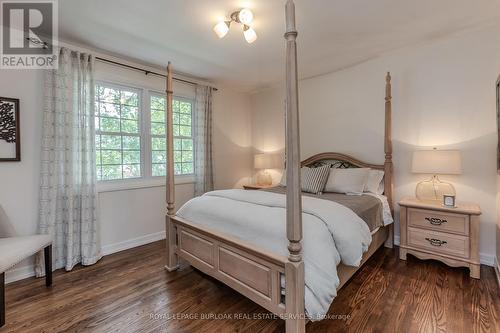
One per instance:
[(19, 180), (128, 216), (443, 95), (497, 262), (232, 139)]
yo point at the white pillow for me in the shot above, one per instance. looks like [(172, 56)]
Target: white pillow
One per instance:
[(349, 181), (312, 179), (374, 183), (283, 178)]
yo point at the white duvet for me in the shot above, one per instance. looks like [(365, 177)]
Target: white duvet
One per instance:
[(332, 234)]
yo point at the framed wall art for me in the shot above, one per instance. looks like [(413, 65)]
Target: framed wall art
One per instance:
[(10, 131)]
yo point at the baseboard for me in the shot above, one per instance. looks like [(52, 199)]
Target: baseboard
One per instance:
[(484, 258), (497, 270), (20, 273), (25, 272), (131, 243), (487, 259)]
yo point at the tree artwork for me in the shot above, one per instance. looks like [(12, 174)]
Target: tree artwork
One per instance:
[(7, 122)]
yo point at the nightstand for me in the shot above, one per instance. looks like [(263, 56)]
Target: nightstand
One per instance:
[(432, 231), (256, 187)]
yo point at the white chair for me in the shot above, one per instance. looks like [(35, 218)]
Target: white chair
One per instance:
[(14, 249)]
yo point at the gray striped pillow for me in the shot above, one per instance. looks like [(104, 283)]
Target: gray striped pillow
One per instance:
[(313, 180)]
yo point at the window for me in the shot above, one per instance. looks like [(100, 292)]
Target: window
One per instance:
[(118, 135), (183, 136), (158, 136), (131, 133)]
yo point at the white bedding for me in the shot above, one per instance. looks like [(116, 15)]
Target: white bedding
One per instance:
[(386, 209), (332, 233)]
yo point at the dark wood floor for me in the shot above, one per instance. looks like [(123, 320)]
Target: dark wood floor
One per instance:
[(131, 292)]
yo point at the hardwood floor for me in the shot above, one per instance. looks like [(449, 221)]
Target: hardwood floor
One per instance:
[(131, 292)]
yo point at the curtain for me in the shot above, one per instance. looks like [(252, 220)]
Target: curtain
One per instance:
[(68, 198), (204, 171)]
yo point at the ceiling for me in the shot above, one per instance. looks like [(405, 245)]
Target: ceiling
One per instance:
[(333, 34)]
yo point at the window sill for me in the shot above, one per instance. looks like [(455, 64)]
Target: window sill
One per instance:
[(133, 184)]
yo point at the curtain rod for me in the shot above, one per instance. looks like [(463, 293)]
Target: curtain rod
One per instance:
[(146, 71)]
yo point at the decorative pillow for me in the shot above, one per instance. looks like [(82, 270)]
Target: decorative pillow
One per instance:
[(312, 179), (374, 182), (349, 181)]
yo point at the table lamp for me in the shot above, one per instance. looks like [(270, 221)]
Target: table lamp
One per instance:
[(266, 162), (436, 162)]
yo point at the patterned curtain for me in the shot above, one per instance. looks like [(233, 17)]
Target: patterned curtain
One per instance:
[(68, 198), (204, 171)]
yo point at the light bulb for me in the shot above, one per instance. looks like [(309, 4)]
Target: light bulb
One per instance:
[(222, 28), (245, 16), (250, 34)]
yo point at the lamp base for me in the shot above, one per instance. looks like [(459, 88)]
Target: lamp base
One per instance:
[(264, 179), (433, 190)]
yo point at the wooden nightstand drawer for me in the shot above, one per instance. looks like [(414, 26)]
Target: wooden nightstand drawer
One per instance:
[(449, 234), (444, 222), (439, 243)]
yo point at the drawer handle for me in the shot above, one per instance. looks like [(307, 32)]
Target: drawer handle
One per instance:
[(435, 242), (435, 220)]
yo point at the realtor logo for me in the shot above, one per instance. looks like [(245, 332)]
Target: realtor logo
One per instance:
[(28, 34)]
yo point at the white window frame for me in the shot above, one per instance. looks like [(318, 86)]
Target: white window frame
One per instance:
[(178, 98), (146, 180), (140, 122)]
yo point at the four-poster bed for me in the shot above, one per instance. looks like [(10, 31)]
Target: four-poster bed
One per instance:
[(257, 273)]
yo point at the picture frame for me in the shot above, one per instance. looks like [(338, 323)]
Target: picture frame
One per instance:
[(449, 201), (10, 130)]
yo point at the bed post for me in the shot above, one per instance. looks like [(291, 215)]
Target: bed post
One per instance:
[(172, 260), (388, 166), (294, 268)]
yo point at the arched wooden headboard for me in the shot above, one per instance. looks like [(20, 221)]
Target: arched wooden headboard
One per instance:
[(343, 161), (339, 160)]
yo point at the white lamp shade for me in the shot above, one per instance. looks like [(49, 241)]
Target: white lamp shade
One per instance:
[(267, 161), (221, 29), (250, 35), (437, 162), (245, 16)]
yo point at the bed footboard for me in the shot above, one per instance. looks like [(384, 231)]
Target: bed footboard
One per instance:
[(252, 272)]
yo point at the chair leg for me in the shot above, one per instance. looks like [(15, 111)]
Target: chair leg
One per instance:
[(48, 265), (2, 299)]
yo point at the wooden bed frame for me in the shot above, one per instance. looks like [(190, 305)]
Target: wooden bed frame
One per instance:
[(250, 270)]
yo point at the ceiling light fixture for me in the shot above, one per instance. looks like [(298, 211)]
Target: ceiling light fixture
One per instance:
[(222, 28), (249, 33), (243, 16)]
